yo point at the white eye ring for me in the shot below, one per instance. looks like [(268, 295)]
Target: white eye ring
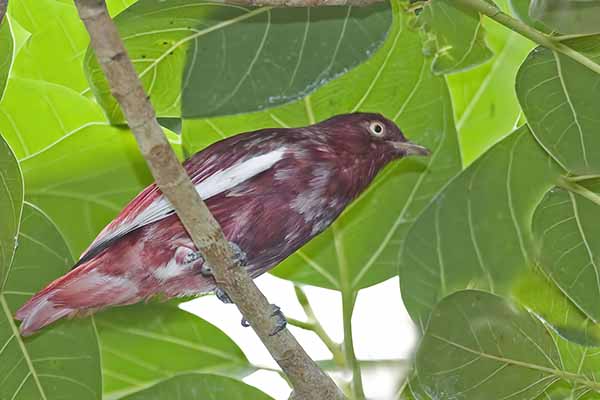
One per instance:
[(377, 128)]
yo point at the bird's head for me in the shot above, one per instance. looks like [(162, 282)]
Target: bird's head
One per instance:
[(369, 135)]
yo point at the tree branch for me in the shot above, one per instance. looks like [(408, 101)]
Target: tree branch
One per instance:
[(302, 3), (3, 7), (307, 379)]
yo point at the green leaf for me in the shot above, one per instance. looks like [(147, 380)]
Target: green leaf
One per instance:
[(6, 53), (559, 98), (80, 170), (566, 228), (536, 291), (480, 346), (455, 36), (62, 361), (206, 59), (54, 52), (362, 248), (485, 106), (11, 204), (476, 233), (199, 386), (568, 16), (179, 342)]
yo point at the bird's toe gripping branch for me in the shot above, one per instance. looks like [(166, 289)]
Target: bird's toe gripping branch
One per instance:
[(277, 314), (223, 296), (239, 258)]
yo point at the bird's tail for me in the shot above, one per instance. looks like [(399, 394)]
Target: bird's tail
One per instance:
[(81, 292), (40, 311)]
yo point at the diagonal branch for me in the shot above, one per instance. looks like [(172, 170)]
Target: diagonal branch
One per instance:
[(307, 379), (3, 7)]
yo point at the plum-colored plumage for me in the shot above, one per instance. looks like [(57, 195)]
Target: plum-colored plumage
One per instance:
[(271, 190)]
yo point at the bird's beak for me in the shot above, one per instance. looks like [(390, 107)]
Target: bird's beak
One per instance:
[(411, 149)]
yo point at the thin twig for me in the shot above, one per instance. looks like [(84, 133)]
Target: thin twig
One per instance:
[(315, 326), (307, 379), (522, 28)]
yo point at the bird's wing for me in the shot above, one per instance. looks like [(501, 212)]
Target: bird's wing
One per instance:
[(214, 170)]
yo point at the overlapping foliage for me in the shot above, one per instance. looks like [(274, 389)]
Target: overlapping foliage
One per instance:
[(493, 236)]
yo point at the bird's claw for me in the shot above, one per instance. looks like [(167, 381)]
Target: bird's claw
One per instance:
[(280, 320), (223, 296), (239, 255), (239, 258)]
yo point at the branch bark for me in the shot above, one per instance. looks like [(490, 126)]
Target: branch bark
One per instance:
[(307, 379), (3, 7)]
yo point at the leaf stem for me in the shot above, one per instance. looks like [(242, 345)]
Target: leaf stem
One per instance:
[(315, 326), (527, 31), (348, 301), (574, 187)]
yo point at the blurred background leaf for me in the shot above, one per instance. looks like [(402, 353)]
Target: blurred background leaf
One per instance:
[(568, 16), (364, 242), (199, 386), (259, 57), (453, 35), (145, 343)]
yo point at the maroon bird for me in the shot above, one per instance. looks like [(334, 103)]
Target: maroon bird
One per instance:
[(271, 190)]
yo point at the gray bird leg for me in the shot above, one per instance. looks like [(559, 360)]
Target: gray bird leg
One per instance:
[(277, 314), (224, 297), (239, 257)]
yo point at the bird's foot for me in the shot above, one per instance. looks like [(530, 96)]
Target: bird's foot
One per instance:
[(239, 258), (191, 257), (277, 315), (239, 255), (280, 320), (223, 296)]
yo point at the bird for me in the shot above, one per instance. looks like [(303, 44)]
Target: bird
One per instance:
[(271, 190)]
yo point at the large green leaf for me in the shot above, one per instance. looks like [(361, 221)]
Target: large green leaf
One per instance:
[(179, 342), (62, 361), (559, 97), (77, 168), (566, 227), (480, 346), (362, 248), (199, 386), (455, 36), (476, 233), (6, 53), (11, 204), (207, 59), (485, 106), (54, 52), (568, 16)]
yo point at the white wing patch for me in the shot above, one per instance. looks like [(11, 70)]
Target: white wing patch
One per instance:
[(213, 185)]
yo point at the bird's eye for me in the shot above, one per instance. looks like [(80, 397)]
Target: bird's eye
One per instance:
[(377, 128)]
